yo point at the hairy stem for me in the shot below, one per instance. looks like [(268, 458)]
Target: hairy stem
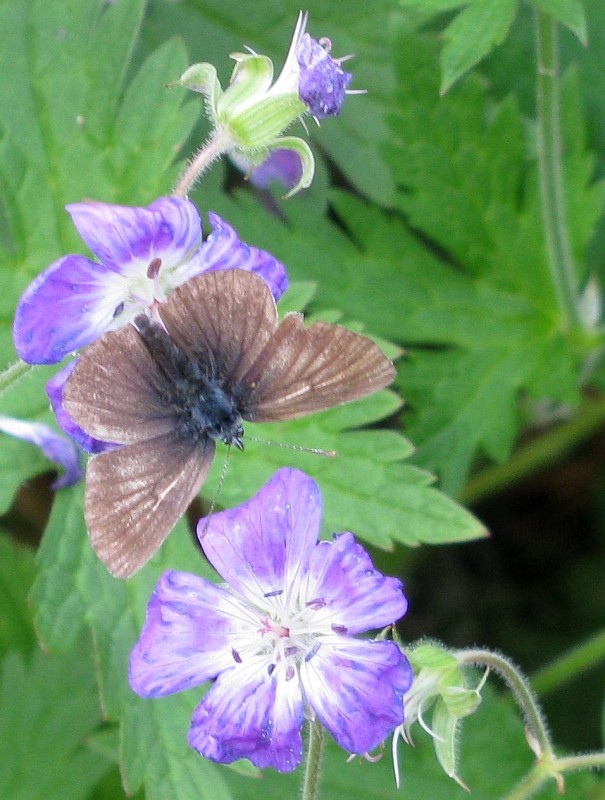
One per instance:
[(550, 164), (522, 692), (13, 374), (216, 146), (315, 748)]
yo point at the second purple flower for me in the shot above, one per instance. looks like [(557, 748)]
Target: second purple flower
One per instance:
[(142, 255), (279, 637)]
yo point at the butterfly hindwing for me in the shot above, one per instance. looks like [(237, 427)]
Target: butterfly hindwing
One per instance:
[(136, 494), (306, 369)]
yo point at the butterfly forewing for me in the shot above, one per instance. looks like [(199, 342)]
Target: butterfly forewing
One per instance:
[(302, 370), (136, 494), (229, 315), (115, 390)]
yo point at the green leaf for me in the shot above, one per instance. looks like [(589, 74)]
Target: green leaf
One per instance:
[(16, 577), (434, 6), (475, 308), (49, 708), (568, 12), (473, 34)]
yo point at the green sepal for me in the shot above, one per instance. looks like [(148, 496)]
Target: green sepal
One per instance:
[(429, 656), (443, 726), (461, 702), (258, 124), (203, 78), (252, 76), (302, 149)]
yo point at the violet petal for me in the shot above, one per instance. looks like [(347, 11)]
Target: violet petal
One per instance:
[(265, 544), (169, 229), (67, 306), (250, 714), (356, 688), (55, 447), (323, 82), (353, 593), (225, 250), (191, 629)]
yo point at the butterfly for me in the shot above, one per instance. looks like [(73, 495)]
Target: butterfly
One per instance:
[(168, 389)]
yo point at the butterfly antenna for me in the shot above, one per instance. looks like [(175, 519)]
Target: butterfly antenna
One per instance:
[(315, 451), (221, 480)]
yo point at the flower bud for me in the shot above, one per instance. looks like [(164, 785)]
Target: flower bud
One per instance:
[(254, 110)]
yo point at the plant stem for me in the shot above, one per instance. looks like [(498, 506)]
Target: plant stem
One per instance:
[(523, 695), (550, 166), (314, 758), (528, 785), (581, 658), (13, 374), (539, 453), (217, 144)]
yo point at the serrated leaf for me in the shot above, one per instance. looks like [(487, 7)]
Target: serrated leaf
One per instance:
[(479, 300), (472, 35), (568, 12), (49, 707)]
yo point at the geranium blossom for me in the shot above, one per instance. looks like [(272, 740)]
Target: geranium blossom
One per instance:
[(278, 637), (142, 255)]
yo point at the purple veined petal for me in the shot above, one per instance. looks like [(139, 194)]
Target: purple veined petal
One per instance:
[(353, 593), (67, 306), (281, 166), (54, 446), (356, 689), (323, 82), (249, 713), (224, 250), (168, 229), (54, 390), (263, 546), (190, 635)]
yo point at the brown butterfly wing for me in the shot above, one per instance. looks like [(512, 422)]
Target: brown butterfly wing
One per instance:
[(115, 390), (136, 494), (229, 314), (306, 369)]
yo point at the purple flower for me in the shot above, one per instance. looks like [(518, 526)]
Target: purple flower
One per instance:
[(54, 446), (278, 639), (143, 254), (322, 82)]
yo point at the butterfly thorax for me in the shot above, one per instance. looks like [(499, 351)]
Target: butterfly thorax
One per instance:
[(202, 405)]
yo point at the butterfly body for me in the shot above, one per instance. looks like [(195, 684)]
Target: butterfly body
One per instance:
[(202, 405), (167, 391)]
